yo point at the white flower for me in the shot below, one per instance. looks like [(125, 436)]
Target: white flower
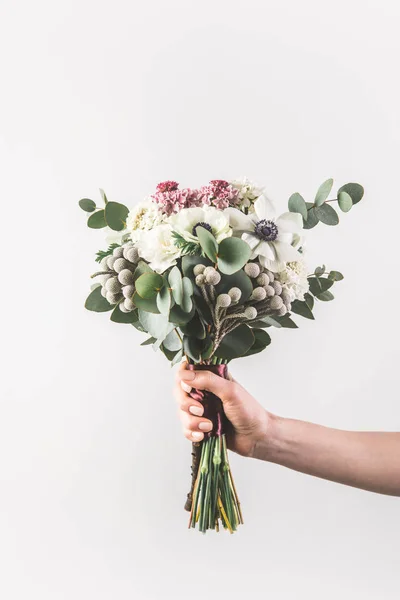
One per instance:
[(143, 217), (269, 238), (185, 222), (294, 279), (157, 247), (248, 192)]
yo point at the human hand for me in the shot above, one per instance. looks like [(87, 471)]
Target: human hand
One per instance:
[(250, 421)]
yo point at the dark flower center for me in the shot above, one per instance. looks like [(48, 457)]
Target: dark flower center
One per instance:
[(266, 230), (201, 224)]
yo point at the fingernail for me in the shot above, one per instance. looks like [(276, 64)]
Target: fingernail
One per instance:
[(196, 410), (204, 426), (189, 375), (186, 388), (197, 435)]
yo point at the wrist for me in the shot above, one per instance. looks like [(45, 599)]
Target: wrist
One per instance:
[(268, 444)]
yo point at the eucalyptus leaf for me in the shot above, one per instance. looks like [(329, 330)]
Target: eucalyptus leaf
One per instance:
[(355, 191), (261, 341), (149, 342), (179, 316), (326, 296), (319, 271), (297, 204), (150, 305), (312, 219), (326, 214), (87, 205), (323, 192), (96, 302), (309, 300), (97, 220), (233, 254), (187, 287), (177, 358), (156, 325), (236, 343), (287, 322), (103, 196), (193, 347), (189, 262), (141, 268), (335, 276), (301, 308), (116, 215), (149, 284), (345, 202), (195, 328), (239, 280), (208, 243), (117, 316), (163, 300), (172, 341), (175, 282), (319, 285)]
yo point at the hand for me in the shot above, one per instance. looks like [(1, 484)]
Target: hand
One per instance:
[(250, 421)]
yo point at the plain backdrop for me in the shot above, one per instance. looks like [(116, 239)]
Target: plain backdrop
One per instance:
[(94, 469)]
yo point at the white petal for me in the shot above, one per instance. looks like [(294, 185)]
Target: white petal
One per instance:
[(272, 265), (289, 222), (266, 249), (285, 252), (251, 240), (238, 220), (264, 208)]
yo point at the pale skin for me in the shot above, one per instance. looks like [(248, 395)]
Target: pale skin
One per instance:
[(365, 460)]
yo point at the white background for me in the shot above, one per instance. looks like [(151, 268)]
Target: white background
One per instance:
[(94, 470)]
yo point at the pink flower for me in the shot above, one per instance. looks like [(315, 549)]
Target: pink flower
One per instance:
[(167, 186), (218, 193), (172, 201)]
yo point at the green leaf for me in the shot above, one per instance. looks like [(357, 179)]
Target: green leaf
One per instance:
[(326, 214), (287, 322), (354, 190), (189, 262), (141, 267), (175, 282), (97, 220), (323, 192), (309, 300), (297, 204), (203, 309), (137, 325), (149, 342), (193, 347), (172, 342), (177, 358), (319, 285), (236, 343), (239, 280), (87, 205), (302, 309), (271, 322), (103, 253), (164, 300), (326, 296), (335, 276), (194, 328), (312, 219), (261, 341), (96, 302), (117, 316), (116, 215), (179, 317), (150, 305), (345, 202), (208, 243), (156, 325), (187, 287), (149, 284), (103, 196), (233, 254), (319, 271)]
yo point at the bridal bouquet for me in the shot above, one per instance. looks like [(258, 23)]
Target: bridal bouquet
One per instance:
[(205, 272)]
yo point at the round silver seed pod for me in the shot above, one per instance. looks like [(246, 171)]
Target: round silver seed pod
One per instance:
[(120, 264), (208, 270), (128, 291), (259, 294), (235, 293), (250, 313), (125, 277), (213, 278), (270, 274), (110, 262), (113, 285), (118, 252), (128, 304), (103, 278), (263, 279), (125, 250), (103, 292), (276, 303), (277, 287), (282, 311), (112, 298), (200, 280), (269, 290), (252, 270), (285, 295), (223, 300), (122, 308), (103, 264), (132, 255), (198, 269)]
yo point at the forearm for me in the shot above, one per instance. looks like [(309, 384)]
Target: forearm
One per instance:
[(367, 460)]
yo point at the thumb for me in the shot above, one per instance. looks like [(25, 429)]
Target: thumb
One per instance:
[(205, 380)]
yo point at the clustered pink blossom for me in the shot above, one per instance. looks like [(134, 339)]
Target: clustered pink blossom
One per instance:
[(171, 199)]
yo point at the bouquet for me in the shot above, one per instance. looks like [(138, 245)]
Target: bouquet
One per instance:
[(204, 273)]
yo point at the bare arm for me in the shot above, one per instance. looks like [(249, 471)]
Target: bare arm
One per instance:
[(367, 460)]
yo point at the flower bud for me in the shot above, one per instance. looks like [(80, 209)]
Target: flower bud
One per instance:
[(282, 311), (110, 262), (276, 303), (128, 304), (113, 285), (122, 308), (125, 277), (252, 270), (128, 291), (213, 277), (277, 287), (263, 279), (200, 280), (224, 300), (118, 252), (250, 313), (235, 293), (132, 255), (269, 290), (112, 298), (120, 264), (270, 274), (198, 269), (259, 294)]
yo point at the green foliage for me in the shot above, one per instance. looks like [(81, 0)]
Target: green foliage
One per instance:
[(239, 280), (87, 205), (97, 220), (141, 267), (323, 192), (179, 316), (189, 262), (309, 300), (196, 348), (312, 219), (187, 288), (148, 304), (208, 243), (319, 285), (287, 322), (355, 191), (326, 296), (190, 248), (194, 328), (149, 342), (103, 196), (96, 302), (326, 214), (156, 325), (297, 204), (335, 276), (236, 343), (175, 282), (345, 202), (163, 300), (261, 341), (115, 215), (149, 284), (103, 253), (117, 316), (172, 341), (319, 271), (233, 254), (301, 308)]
